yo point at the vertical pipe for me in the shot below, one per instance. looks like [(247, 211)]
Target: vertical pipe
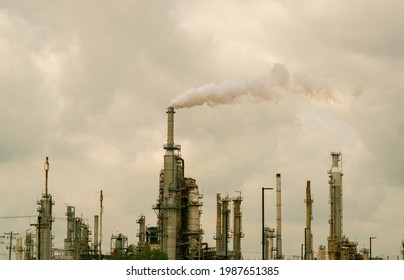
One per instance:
[(10, 246), (278, 218), (308, 255), (96, 235), (262, 224), (218, 224), (46, 167), (225, 225), (237, 227), (101, 211)]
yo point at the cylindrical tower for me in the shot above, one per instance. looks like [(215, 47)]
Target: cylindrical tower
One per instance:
[(278, 218), (335, 182), (95, 243), (225, 226), (18, 248), (321, 252), (194, 217), (85, 240), (142, 232), (77, 238), (237, 227), (45, 221), (218, 236), (170, 204), (29, 246), (308, 237), (68, 246)]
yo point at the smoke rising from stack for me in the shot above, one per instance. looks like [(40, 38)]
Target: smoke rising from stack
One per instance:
[(255, 89)]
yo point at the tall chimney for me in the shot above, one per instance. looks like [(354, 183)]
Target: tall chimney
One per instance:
[(170, 127), (278, 218), (169, 207)]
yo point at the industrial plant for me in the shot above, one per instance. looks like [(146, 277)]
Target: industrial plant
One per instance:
[(177, 232)]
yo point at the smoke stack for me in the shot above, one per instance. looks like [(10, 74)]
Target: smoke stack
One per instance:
[(170, 212), (278, 218), (170, 127)]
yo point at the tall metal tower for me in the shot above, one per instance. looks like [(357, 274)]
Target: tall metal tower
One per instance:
[(335, 182), (308, 236), (279, 255), (237, 227), (179, 204), (169, 203), (45, 220)]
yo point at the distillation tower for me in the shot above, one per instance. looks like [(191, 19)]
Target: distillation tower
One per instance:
[(76, 243), (45, 220), (308, 236), (279, 255), (269, 235), (142, 233), (335, 182), (339, 246), (237, 227), (179, 203), (223, 234)]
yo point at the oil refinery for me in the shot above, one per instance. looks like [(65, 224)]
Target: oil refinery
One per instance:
[(177, 231)]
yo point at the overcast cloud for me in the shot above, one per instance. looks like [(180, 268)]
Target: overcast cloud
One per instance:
[(87, 83)]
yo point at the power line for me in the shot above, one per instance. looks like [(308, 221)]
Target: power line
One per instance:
[(30, 216), (18, 217)]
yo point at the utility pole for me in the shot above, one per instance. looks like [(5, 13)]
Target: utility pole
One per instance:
[(10, 246)]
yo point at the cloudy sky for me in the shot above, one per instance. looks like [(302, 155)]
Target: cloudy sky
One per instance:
[(87, 83)]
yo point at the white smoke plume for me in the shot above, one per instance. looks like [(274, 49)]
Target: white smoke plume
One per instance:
[(256, 89)]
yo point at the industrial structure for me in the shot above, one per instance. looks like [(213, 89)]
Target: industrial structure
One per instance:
[(119, 245), (178, 232), (308, 235), (335, 182), (45, 220), (178, 205), (223, 228), (402, 250), (78, 237), (279, 255), (269, 235), (339, 246)]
